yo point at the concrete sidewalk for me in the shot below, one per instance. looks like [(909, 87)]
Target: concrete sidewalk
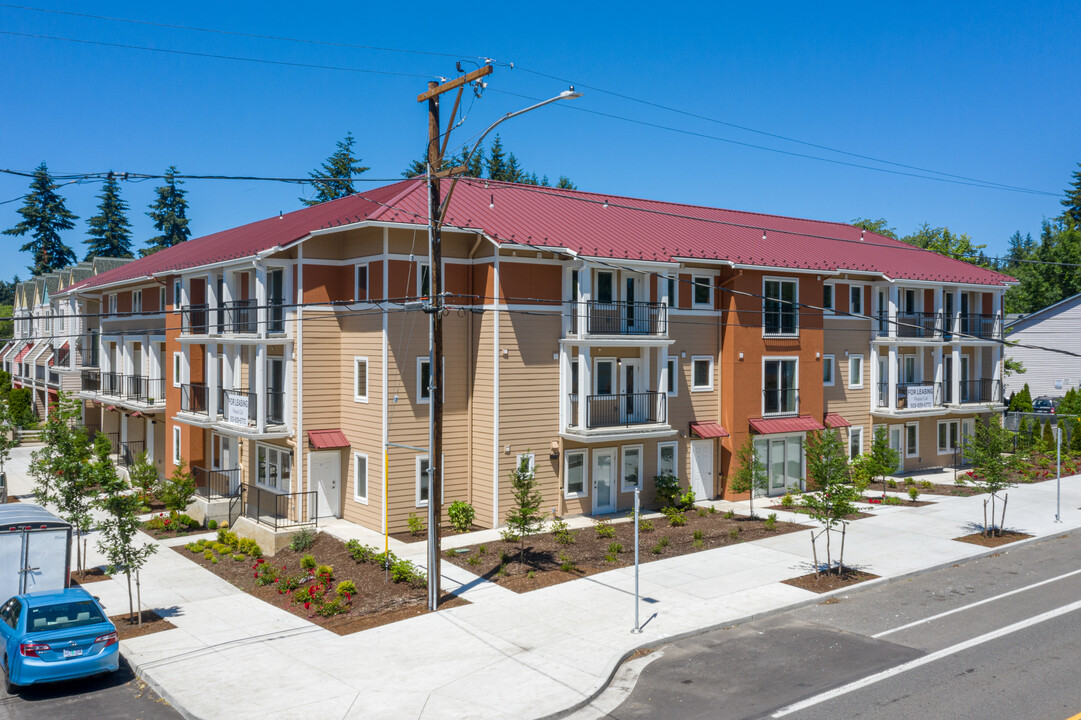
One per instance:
[(508, 655)]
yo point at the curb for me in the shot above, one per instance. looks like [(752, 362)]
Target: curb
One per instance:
[(613, 668), (161, 691)]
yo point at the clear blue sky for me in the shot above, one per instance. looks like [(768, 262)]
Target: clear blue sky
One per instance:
[(983, 90)]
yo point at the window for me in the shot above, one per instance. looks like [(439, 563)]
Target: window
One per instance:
[(673, 379), (161, 299), (702, 373), (136, 302), (780, 394), (673, 293), (910, 301), (424, 380), (779, 307), (177, 366), (360, 478), (574, 475), (855, 442), (666, 459), (827, 370), (855, 302), (632, 468), (909, 369), (361, 291), (574, 377), (948, 438), (855, 372), (422, 480), (274, 467), (605, 287), (605, 376), (530, 460), (275, 280), (827, 297), (912, 440), (112, 304), (177, 299), (703, 291), (360, 379), (177, 455), (424, 274)]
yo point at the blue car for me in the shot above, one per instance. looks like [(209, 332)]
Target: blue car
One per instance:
[(55, 635)]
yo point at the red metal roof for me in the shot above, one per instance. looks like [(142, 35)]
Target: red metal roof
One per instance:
[(22, 353), (589, 224), (834, 420), (769, 426), (327, 439), (708, 430)]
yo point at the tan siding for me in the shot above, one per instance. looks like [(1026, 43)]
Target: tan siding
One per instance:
[(852, 404)]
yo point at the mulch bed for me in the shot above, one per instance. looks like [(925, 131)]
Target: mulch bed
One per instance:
[(378, 600), (422, 536), (1007, 537), (348, 624), (128, 628), (804, 511), (935, 489), (89, 575), (904, 503), (824, 582), (163, 534), (586, 555)]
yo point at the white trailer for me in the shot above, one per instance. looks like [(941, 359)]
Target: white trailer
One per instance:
[(35, 550)]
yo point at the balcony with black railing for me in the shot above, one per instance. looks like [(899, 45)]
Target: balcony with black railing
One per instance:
[(240, 407), (91, 381), (277, 509), (984, 327), (981, 391), (621, 411), (621, 319), (275, 407), (143, 389), (194, 320), (780, 401), (240, 317), (194, 398), (87, 357), (910, 396)]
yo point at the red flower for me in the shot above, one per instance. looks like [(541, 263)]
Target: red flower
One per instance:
[(307, 605), (275, 579), (255, 574)]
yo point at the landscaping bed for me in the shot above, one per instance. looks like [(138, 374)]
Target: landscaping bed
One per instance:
[(1005, 538), (805, 511), (824, 582), (128, 627), (356, 595), (554, 557), (90, 575), (890, 500), (163, 526)]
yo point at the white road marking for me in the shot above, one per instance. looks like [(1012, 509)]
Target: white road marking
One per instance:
[(937, 655), (976, 604)]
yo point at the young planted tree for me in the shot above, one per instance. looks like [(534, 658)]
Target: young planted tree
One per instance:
[(1022, 401), (144, 476), (110, 231), (882, 460), (179, 490), (834, 497), (334, 175), (750, 475), (526, 518), (170, 215), (985, 450), (44, 216)]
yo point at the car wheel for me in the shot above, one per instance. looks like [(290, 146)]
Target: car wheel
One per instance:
[(9, 687)]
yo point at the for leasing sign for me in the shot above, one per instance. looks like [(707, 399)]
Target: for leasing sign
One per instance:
[(920, 397), (236, 411)]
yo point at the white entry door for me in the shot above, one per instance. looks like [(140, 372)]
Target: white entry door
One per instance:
[(634, 406), (604, 481), (702, 469), (896, 442), (326, 468)]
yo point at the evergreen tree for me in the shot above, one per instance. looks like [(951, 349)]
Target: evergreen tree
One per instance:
[(44, 216), (565, 183), (1075, 437), (1022, 401), (1072, 201), (110, 231), (525, 518), (342, 164), (169, 213), (880, 226), (882, 460), (497, 160)]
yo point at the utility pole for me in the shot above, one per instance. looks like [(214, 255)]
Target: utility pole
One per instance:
[(434, 308)]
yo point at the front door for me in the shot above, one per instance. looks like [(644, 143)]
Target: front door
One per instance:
[(634, 407), (947, 376), (896, 442), (966, 394), (326, 468), (633, 312), (702, 468), (604, 481)]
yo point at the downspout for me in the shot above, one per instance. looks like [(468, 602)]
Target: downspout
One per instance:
[(495, 391), (720, 366), (469, 370), (386, 400)]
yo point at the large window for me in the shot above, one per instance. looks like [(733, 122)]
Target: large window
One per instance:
[(703, 291), (667, 464), (273, 467), (855, 302), (360, 478), (782, 457), (912, 440), (136, 302), (604, 379), (275, 279), (949, 439), (779, 316), (780, 392), (360, 379), (701, 373), (631, 476), (855, 372), (574, 474)]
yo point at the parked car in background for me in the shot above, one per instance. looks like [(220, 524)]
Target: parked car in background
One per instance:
[(1045, 404), (55, 635)]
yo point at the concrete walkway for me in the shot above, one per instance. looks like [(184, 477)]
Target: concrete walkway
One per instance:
[(508, 655)]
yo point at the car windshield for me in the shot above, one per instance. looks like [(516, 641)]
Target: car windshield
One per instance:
[(63, 616)]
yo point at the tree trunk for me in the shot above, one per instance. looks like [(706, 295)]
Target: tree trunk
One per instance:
[(986, 527), (814, 552), (1002, 523), (78, 551), (841, 559), (131, 605), (994, 530), (139, 597), (829, 557)]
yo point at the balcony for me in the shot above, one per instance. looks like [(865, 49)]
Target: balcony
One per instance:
[(54, 377), (621, 411), (239, 317), (922, 325), (194, 319), (214, 484), (235, 407), (618, 319), (87, 357), (985, 327), (910, 396), (780, 401), (983, 391), (937, 326), (239, 407), (194, 398), (91, 381), (140, 388)]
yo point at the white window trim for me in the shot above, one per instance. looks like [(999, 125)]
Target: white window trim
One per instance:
[(938, 436), (859, 385), (797, 308), (597, 362), (855, 430), (137, 310), (673, 376), (671, 285), (177, 294), (675, 456), (161, 299), (863, 299), (694, 287), (532, 462), (356, 283), (178, 368), (832, 360), (421, 264), (178, 455), (421, 400), (832, 307), (917, 453), (362, 499), (281, 451), (781, 358), (112, 304), (623, 486), (362, 397), (585, 474), (701, 388), (443, 488)]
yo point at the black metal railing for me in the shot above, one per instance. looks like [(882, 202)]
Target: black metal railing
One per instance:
[(621, 410), (620, 318), (212, 484), (240, 317), (918, 325), (88, 357), (129, 451), (193, 398), (111, 384), (233, 407), (987, 327), (144, 389), (275, 407), (279, 510), (780, 401), (195, 317), (983, 390)]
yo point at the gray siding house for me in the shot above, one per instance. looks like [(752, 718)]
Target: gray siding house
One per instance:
[(1048, 373)]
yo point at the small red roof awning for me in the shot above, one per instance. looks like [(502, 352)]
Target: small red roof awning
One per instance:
[(110, 407), (136, 414), (834, 420), (327, 439), (707, 430), (770, 426)]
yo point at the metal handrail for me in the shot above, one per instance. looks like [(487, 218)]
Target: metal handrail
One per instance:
[(193, 398), (212, 483), (279, 510), (621, 410), (620, 318)]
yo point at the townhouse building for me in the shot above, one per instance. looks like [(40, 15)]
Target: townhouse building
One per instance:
[(603, 340)]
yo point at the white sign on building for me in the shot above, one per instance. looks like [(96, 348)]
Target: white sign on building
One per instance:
[(920, 397), (236, 411)]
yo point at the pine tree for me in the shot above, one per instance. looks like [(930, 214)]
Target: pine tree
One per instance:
[(1072, 201), (44, 216), (497, 161), (565, 183), (110, 231), (169, 213), (342, 164)]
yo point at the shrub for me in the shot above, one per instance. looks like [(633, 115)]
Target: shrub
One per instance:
[(913, 493), (604, 529), (221, 547), (926, 484), (676, 518), (307, 562), (461, 515), (615, 548), (407, 572), (214, 560), (481, 549), (668, 489), (240, 558), (502, 571), (566, 564), (645, 525), (729, 515), (179, 490), (892, 483), (194, 547), (266, 573), (891, 500), (734, 533), (212, 525), (346, 587), (208, 554), (664, 542), (657, 549), (697, 544), (227, 537), (303, 540), (703, 512), (771, 521), (531, 574), (561, 532), (325, 573), (788, 501), (697, 534), (334, 606), (473, 560), (360, 553), (416, 525), (249, 547), (508, 536)]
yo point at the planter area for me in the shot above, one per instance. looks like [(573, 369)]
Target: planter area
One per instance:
[(1004, 538), (170, 525), (127, 628), (826, 581), (561, 555)]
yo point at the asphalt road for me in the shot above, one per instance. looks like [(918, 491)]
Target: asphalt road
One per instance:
[(941, 645), (120, 696)]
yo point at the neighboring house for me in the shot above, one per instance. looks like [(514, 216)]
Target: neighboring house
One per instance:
[(1047, 372), (603, 339)]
